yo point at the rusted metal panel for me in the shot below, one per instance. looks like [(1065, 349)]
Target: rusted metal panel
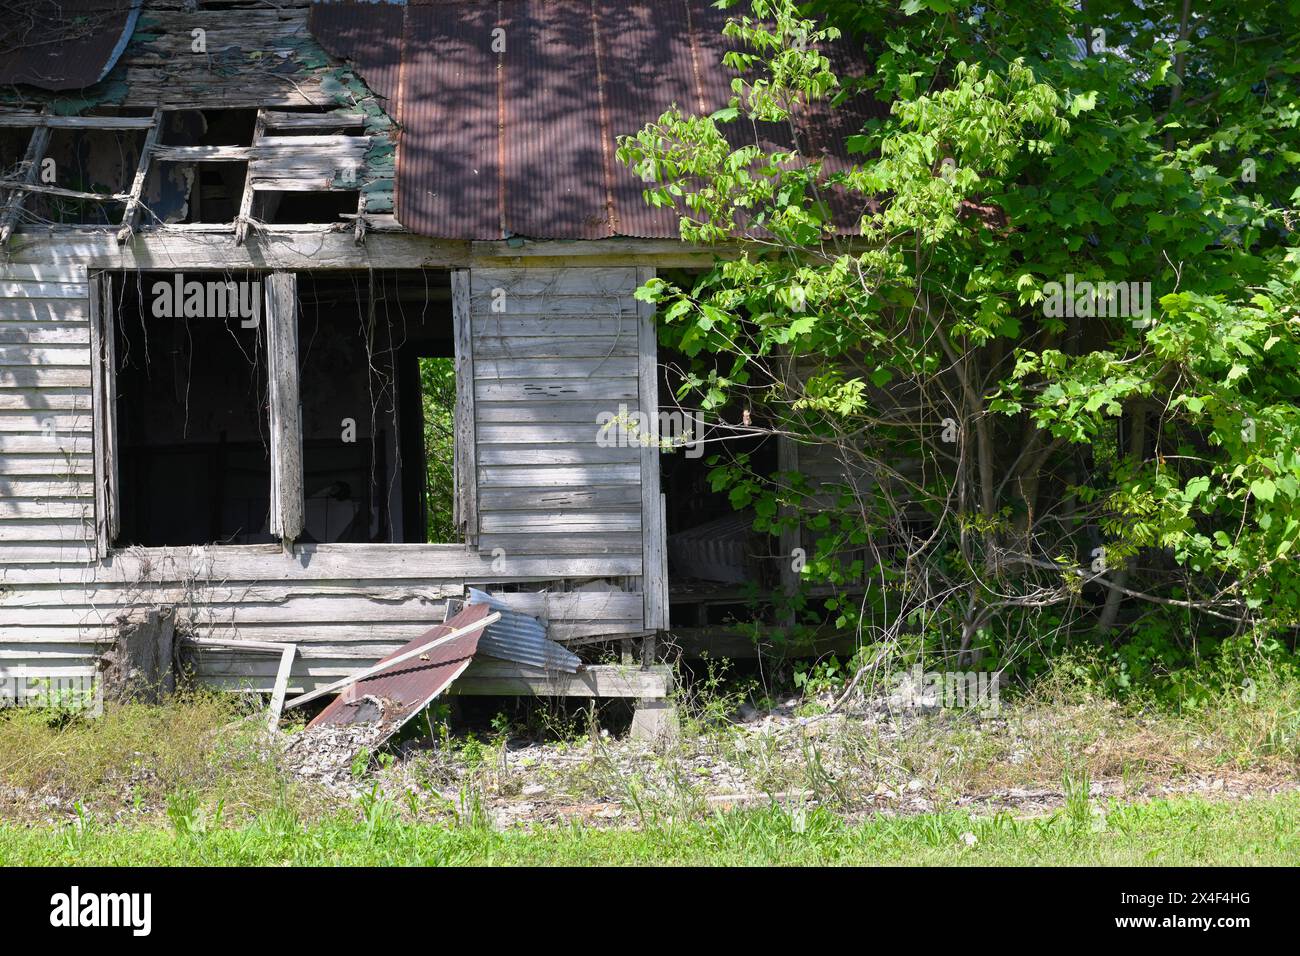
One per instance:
[(369, 35), (649, 66), (511, 109), (448, 161), (554, 166), (394, 696), (64, 44)]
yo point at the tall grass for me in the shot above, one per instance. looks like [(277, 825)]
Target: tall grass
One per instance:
[(138, 758)]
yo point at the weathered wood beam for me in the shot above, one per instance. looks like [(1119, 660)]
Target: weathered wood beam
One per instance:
[(318, 562), (301, 246), (654, 583), (26, 187), (244, 217), (132, 210), (465, 466), (29, 168), (279, 119), (50, 121), (288, 508), (486, 677), (202, 154)]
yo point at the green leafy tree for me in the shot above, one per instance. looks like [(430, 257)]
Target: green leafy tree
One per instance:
[(438, 395), (1055, 357)]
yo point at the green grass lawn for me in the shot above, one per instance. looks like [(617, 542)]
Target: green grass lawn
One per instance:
[(1173, 832)]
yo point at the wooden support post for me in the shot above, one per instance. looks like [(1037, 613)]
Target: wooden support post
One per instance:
[(287, 505), (27, 173), (654, 558), (103, 398), (465, 470), (281, 685), (359, 228), (132, 211)]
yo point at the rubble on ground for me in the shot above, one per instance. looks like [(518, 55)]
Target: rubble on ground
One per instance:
[(325, 754)]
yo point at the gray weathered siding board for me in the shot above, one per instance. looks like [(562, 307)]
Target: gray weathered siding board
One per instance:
[(46, 510), (553, 349), (563, 508)]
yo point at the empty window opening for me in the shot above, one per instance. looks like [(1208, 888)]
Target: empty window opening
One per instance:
[(215, 191), (203, 189), (191, 381), (224, 128), (298, 206), (78, 177), (361, 340)]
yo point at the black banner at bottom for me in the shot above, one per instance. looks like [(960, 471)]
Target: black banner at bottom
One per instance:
[(270, 908)]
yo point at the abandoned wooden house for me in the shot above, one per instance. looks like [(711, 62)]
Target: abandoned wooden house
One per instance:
[(309, 316)]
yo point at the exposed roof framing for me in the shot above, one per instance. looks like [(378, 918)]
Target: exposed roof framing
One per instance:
[(42, 124), (27, 172), (303, 163), (141, 174)]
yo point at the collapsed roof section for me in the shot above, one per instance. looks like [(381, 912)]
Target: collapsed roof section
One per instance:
[(59, 45), (510, 112)]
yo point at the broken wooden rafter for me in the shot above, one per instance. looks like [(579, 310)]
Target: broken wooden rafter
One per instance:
[(245, 215), (286, 652), (50, 121), (26, 187), (28, 171), (132, 210)]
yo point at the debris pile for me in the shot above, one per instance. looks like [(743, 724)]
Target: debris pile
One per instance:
[(325, 753)]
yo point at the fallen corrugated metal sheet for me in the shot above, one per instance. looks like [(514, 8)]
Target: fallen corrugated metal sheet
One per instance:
[(394, 696), (521, 638), (511, 109), (64, 44)]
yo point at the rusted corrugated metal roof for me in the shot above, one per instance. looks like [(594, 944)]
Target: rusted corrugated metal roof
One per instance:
[(64, 44), (370, 30), (510, 109), (394, 696)]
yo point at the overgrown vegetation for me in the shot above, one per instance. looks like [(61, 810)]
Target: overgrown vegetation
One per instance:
[(196, 766), (438, 397), (196, 751), (1046, 326)]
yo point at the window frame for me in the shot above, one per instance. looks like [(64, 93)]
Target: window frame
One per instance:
[(287, 514)]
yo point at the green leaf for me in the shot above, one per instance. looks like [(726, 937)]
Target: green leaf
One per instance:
[(1263, 489)]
